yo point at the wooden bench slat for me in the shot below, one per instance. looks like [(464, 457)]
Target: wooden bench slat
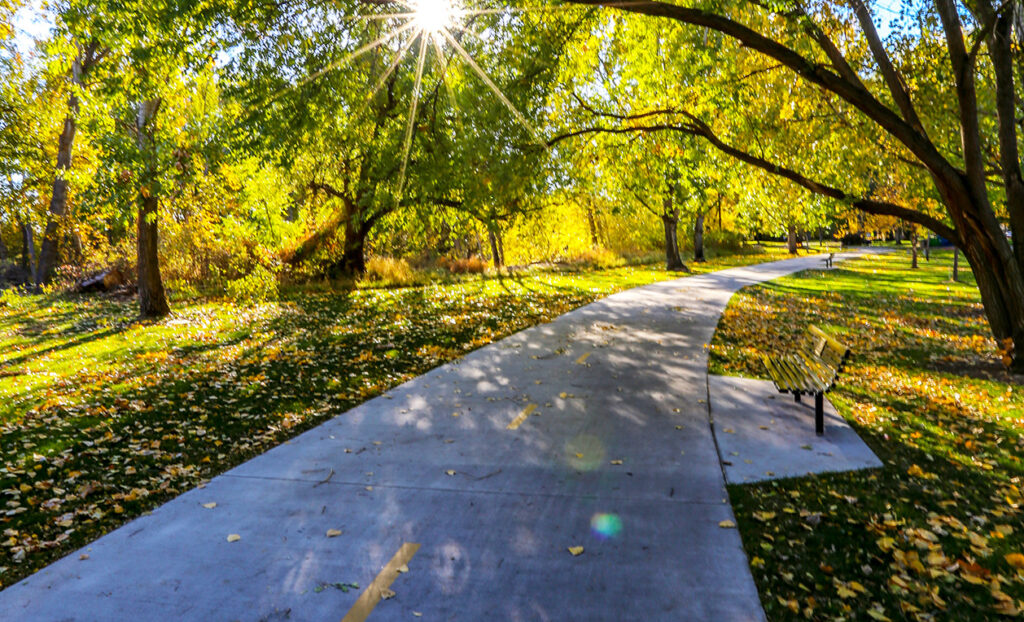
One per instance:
[(812, 368)]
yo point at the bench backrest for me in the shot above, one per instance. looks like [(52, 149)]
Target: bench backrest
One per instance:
[(827, 348)]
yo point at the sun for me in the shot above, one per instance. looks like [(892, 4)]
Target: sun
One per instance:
[(435, 16)]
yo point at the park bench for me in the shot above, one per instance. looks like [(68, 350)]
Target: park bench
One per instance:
[(828, 260), (812, 369)]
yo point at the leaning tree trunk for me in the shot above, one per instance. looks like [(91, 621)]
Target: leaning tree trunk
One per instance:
[(673, 262), (698, 237), (956, 264), (791, 239), (152, 298), (59, 195)]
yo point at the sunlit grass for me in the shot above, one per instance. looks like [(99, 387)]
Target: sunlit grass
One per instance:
[(926, 537)]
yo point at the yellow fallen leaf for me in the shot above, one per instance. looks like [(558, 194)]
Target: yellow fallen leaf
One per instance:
[(857, 587), (417, 614), (234, 537), (1004, 529), (369, 488), (579, 455), (878, 614), (764, 516), (563, 395), (83, 556), (679, 427), (729, 431), (726, 524), (402, 568), (1016, 560), (386, 593), (845, 592), (449, 472), (576, 550), (977, 539), (210, 505), (757, 562), (333, 533), (616, 461)]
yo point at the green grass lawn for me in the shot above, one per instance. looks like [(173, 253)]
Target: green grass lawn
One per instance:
[(937, 533), (103, 417)]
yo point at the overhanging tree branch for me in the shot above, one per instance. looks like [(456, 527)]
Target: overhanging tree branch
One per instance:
[(696, 127)]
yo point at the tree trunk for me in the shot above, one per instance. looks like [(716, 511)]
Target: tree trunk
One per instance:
[(791, 239), (821, 237), (927, 246), (592, 225), (698, 237), (956, 264), (28, 249), (495, 253), (913, 249), (152, 298), (3, 249), (353, 252), (899, 236), (59, 194), (673, 262)]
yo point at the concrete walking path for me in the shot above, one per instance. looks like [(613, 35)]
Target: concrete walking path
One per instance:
[(590, 431)]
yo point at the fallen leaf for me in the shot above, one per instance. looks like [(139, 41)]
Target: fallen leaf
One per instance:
[(234, 537), (449, 472), (576, 550), (83, 556), (616, 461), (726, 524), (1016, 560), (402, 568), (210, 505), (333, 533), (387, 594)]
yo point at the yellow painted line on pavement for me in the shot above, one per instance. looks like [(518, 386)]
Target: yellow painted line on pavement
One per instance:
[(376, 590), (521, 417), (582, 358)]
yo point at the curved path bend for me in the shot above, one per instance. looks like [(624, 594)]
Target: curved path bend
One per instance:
[(494, 465)]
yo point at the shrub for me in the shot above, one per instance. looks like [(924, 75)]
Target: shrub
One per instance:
[(260, 285), (599, 258), (389, 271), (471, 265), (724, 241)]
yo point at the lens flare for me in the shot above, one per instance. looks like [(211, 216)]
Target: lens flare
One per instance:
[(434, 16), (606, 526)]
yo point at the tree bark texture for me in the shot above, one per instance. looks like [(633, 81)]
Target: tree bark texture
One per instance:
[(791, 239), (28, 249), (673, 262), (698, 237), (152, 298), (913, 250), (956, 264)]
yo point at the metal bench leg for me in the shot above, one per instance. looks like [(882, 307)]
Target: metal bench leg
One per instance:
[(796, 397), (819, 413)]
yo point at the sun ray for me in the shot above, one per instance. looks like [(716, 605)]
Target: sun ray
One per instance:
[(407, 147), (344, 60), (494, 88), (380, 83), (442, 63)]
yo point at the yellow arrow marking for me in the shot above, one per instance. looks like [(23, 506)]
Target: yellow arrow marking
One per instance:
[(582, 358), (374, 592), (521, 417)]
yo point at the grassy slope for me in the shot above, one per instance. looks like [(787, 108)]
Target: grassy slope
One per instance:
[(928, 536), (103, 418)]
